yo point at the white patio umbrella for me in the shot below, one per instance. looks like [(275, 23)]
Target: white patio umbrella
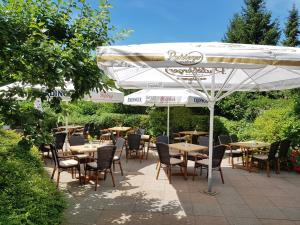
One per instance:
[(165, 98), (219, 69)]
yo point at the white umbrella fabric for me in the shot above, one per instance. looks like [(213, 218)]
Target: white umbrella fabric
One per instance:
[(165, 98), (219, 69)]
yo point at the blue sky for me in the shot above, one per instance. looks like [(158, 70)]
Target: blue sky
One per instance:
[(183, 20)]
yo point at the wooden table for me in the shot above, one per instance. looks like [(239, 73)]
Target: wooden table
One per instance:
[(193, 133), (70, 128), (86, 148), (186, 148), (119, 129), (247, 146)]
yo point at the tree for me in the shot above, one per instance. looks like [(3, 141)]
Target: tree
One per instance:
[(253, 25), (50, 42), (291, 30)]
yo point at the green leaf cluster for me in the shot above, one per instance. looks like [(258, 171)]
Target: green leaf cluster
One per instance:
[(26, 194)]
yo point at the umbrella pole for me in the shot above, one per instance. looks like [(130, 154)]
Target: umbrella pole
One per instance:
[(211, 133), (168, 121)]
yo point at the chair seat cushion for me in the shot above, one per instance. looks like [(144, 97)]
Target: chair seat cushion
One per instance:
[(198, 154), (234, 151), (92, 165), (175, 154), (116, 157), (260, 157), (175, 161), (202, 162), (82, 156), (68, 163)]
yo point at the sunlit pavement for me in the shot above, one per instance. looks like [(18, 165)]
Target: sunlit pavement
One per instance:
[(245, 198)]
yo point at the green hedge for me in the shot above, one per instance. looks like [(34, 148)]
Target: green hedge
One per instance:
[(26, 194)]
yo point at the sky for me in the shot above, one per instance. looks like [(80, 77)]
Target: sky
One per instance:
[(155, 21)]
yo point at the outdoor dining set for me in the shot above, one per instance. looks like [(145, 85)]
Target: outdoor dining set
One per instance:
[(73, 151)]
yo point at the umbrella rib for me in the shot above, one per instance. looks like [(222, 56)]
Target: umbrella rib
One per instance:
[(200, 83), (226, 82)]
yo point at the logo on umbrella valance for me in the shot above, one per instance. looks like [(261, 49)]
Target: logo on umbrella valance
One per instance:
[(190, 58)]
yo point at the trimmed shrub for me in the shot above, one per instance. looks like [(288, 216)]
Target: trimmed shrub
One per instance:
[(26, 194)]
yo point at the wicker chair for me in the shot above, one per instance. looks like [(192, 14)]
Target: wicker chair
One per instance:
[(231, 151), (283, 154), (79, 140), (134, 145), (120, 142), (60, 138), (167, 161), (269, 158), (194, 156), (103, 163), (218, 154), (64, 163)]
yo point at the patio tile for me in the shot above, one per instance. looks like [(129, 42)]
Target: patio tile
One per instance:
[(276, 222), (177, 220), (285, 201), (230, 199), (268, 213), (291, 213), (237, 210), (202, 209), (258, 201), (204, 220), (243, 221), (83, 216)]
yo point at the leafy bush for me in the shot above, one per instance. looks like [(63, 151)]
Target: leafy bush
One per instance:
[(26, 194), (277, 124)]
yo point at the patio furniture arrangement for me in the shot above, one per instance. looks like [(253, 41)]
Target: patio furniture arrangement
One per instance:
[(103, 163), (218, 154), (187, 148), (231, 150), (166, 161), (266, 158)]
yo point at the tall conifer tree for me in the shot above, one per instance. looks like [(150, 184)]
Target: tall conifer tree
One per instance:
[(291, 30)]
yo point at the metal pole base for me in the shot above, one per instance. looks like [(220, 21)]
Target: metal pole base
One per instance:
[(210, 193)]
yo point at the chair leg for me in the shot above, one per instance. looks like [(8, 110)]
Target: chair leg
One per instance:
[(112, 177), (141, 156), (221, 173), (54, 169), (278, 166), (79, 174), (243, 160), (268, 168), (58, 178), (84, 176), (250, 166), (158, 170), (170, 174), (157, 164), (200, 170), (194, 172), (114, 166), (121, 168), (96, 182), (232, 162)]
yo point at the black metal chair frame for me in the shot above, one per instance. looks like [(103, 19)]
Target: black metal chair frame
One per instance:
[(120, 143)]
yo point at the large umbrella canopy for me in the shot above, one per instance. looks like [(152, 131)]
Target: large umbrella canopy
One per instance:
[(218, 69), (165, 98)]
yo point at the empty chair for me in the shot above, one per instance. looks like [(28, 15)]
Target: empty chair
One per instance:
[(134, 145), (234, 138), (120, 142), (217, 156), (166, 160), (269, 158), (113, 138), (283, 153), (103, 163), (63, 163), (231, 151), (203, 141), (162, 139), (86, 130), (76, 140), (60, 138)]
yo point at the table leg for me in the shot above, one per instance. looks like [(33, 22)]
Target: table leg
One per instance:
[(185, 160)]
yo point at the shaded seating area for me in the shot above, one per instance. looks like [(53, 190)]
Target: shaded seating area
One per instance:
[(165, 160)]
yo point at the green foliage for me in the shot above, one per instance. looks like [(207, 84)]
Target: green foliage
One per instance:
[(291, 30), (253, 25), (27, 196), (277, 124)]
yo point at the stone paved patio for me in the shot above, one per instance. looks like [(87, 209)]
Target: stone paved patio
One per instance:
[(245, 198)]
